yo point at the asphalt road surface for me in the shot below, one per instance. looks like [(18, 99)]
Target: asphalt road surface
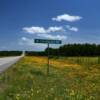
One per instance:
[(7, 62)]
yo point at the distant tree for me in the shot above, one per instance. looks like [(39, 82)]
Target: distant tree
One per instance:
[(10, 53)]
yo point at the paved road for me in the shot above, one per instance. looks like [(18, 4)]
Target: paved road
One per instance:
[(7, 62)]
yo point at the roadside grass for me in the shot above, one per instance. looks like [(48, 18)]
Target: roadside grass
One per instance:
[(71, 78)]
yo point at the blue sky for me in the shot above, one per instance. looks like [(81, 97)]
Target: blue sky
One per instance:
[(72, 21)]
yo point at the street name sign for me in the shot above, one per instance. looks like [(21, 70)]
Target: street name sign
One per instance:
[(48, 41)]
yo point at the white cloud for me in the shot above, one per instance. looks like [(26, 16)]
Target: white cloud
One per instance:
[(49, 36), (35, 29), (55, 29), (67, 17), (75, 29), (30, 42), (26, 41)]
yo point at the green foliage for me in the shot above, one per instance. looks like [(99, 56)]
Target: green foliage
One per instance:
[(10, 53), (80, 50), (70, 50)]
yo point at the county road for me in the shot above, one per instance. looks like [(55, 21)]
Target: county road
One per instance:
[(7, 62)]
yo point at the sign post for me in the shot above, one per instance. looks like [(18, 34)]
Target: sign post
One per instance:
[(48, 61), (47, 41)]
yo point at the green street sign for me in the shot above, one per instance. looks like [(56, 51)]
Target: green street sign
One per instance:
[(47, 41)]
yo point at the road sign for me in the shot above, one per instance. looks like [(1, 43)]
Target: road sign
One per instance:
[(47, 41)]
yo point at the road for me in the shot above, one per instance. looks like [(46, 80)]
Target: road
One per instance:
[(7, 62)]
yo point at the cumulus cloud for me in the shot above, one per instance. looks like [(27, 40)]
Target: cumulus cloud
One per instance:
[(74, 29), (36, 29), (66, 17), (55, 29), (42, 33), (30, 42), (49, 36), (26, 41)]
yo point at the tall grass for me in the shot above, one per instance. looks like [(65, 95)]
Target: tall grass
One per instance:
[(85, 60), (27, 80)]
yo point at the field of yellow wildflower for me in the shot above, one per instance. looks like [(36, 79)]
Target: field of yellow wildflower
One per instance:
[(70, 78)]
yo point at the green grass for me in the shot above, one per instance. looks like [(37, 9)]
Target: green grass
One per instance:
[(27, 79)]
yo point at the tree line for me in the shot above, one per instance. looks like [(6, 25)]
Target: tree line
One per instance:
[(80, 50), (65, 50), (70, 50), (10, 53)]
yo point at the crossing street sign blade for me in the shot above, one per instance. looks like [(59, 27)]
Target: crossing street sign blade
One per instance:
[(47, 41)]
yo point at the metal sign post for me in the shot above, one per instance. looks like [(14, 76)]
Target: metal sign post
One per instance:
[(47, 41), (48, 61)]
